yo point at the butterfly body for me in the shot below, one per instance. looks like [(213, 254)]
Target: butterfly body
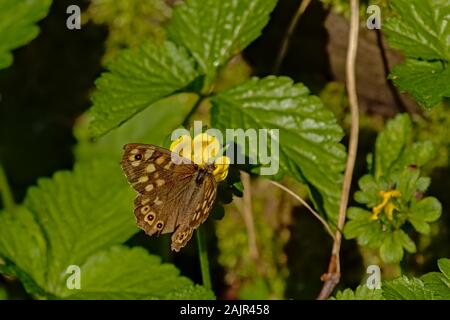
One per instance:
[(175, 195)]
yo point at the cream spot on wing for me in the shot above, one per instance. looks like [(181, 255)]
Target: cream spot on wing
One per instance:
[(157, 201), (135, 163), (160, 182), (134, 151), (168, 165), (149, 187), (145, 201), (143, 179), (156, 176), (150, 168), (148, 154), (160, 160)]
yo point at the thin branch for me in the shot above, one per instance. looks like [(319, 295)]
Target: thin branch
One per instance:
[(303, 202), (331, 278), (288, 35), (248, 216), (5, 191)]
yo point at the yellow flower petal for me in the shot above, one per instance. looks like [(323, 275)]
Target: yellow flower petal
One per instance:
[(201, 150), (205, 148), (182, 146), (385, 204), (221, 166)]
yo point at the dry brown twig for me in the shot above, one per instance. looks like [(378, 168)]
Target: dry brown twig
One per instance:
[(248, 216), (332, 277)]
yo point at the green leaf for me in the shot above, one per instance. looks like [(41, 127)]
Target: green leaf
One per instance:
[(356, 213), (152, 126), (391, 251), (421, 29), (17, 25), (362, 292), (22, 242), (216, 30), (423, 183), (368, 232), (27, 281), (426, 81), (406, 182), (81, 212), (390, 144), (406, 289), (444, 266), (406, 241), (358, 224), (418, 154), (420, 225), (433, 285), (428, 209), (309, 148), (123, 273), (138, 78), (369, 193), (437, 282)]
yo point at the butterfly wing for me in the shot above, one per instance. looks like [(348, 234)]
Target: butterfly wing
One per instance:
[(162, 182), (170, 199), (200, 206)]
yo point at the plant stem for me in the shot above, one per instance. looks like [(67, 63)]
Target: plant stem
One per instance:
[(248, 216), (287, 37), (5, 191), (332, 277), (192, 111), (203, 255)]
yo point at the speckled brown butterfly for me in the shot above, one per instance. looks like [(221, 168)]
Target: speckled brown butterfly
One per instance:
[(175, 194)]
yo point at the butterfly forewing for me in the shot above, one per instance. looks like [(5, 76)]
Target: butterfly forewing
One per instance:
[(171, 198)]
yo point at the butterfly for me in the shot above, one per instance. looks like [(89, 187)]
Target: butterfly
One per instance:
[(175, 195)]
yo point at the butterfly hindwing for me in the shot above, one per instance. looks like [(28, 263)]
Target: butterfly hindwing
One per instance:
[(201, 204)]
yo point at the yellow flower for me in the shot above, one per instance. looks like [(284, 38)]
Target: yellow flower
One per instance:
[(386, 204), (202, 150)]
